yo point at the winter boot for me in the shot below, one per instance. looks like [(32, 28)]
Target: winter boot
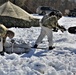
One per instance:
[(3, 48), (50, 47), (35, 46), (2, 53)]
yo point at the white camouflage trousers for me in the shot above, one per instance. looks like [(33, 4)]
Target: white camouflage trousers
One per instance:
[(45, 31)]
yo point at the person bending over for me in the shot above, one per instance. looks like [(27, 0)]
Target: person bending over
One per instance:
[(4, 33), (49, 23)]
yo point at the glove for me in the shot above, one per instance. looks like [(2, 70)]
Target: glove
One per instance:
[(62, 28), (55, 29)]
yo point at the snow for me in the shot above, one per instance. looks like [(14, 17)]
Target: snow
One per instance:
[(60, 61)]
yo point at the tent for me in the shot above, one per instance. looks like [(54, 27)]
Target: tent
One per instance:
[(13, 15)]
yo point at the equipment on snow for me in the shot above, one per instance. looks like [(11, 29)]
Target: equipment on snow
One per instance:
[(15, 47), (72, 30)]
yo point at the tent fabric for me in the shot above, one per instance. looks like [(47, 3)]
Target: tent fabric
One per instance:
[(11, 10), (20, 23)]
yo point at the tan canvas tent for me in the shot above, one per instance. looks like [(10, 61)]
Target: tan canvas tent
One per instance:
[(8, 10)]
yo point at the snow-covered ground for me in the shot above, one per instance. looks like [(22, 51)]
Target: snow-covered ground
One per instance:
[(60, 61)]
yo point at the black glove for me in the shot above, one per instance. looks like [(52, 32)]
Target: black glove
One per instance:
[(62, 28), (55, 29)]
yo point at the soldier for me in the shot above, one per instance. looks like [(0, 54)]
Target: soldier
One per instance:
[(4, 33), (47, 23)]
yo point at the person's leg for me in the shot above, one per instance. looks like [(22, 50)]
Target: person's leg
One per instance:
[(3, 49), (49, 34), (2, 52), (41, 36), (1, 46)]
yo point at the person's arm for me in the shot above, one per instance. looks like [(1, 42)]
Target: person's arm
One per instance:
[(61, 27), (57, 25)]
